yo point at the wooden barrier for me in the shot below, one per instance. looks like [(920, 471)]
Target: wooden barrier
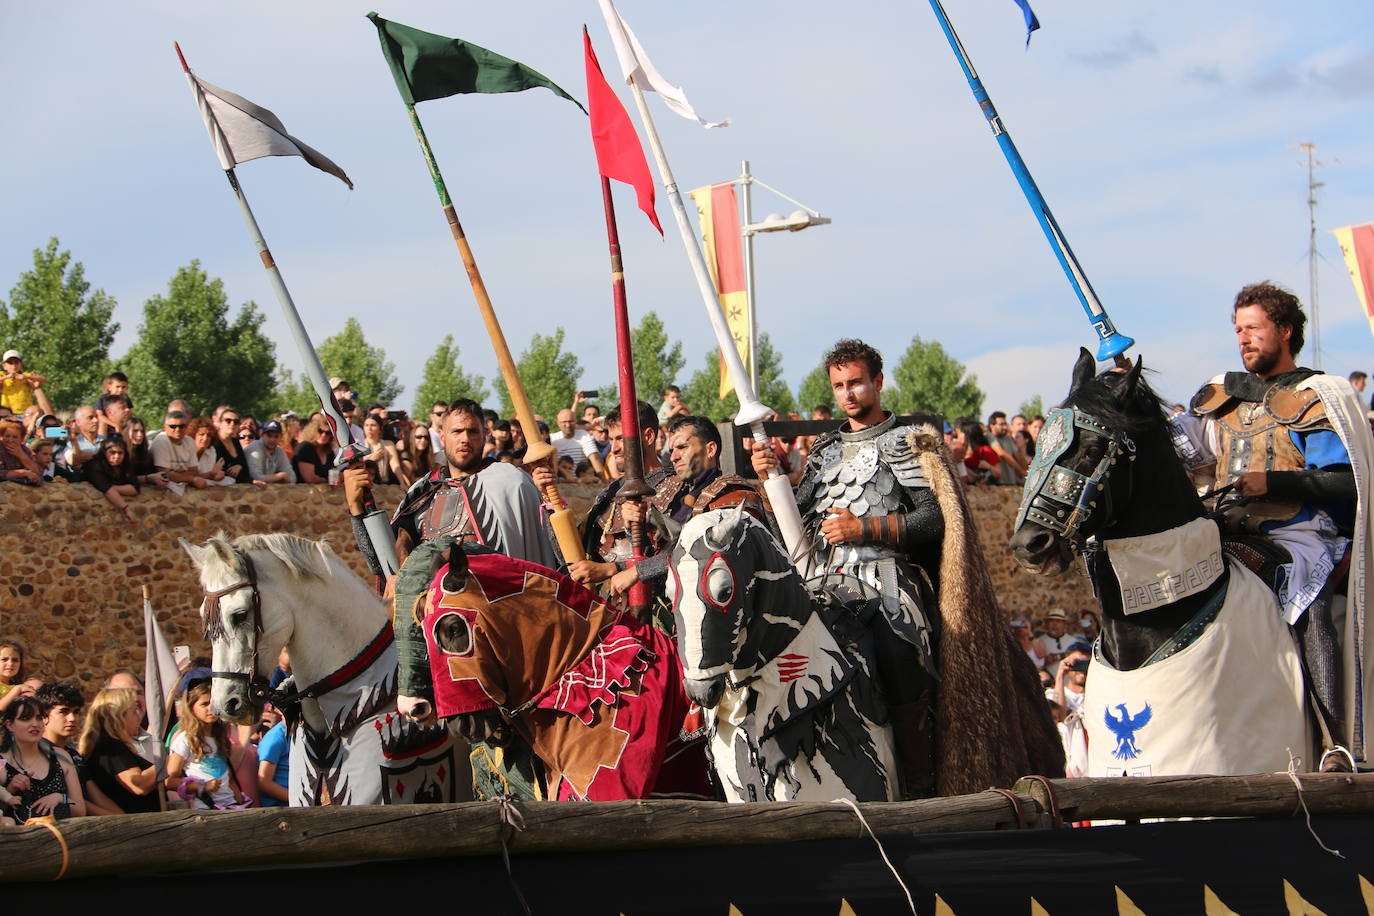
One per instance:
[(176, 841)]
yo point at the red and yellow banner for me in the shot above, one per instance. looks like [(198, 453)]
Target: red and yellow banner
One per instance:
[(718, 212), (1357, 244)]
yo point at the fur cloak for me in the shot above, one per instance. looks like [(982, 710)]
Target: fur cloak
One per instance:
[(992, 723)]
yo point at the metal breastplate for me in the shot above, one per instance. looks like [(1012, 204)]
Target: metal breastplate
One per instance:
[(447, 513), (867, 472), (1254, 437)]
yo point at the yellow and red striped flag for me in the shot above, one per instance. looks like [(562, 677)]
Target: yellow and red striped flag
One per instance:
[(718, 211), (1357, 244)]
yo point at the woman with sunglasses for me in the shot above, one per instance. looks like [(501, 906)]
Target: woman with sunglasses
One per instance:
[(314, 457), (420, 461), (39, 779), (249, 430)]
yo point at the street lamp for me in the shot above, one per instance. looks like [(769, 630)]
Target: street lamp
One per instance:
[(774, 222)]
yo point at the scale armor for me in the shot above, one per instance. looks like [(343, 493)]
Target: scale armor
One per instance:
[(871, 473)]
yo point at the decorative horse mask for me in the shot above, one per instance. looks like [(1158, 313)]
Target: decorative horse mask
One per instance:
[(596, 692)]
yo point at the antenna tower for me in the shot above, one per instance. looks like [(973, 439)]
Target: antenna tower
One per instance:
[(1312, 185)]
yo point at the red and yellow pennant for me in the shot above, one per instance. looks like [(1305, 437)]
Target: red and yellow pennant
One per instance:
[(718, 212), (1357, 244)]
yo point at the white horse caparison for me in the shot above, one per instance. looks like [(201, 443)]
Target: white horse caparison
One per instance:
[(352, 747)]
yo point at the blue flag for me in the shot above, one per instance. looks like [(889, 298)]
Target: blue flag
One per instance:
[(1031, 22)]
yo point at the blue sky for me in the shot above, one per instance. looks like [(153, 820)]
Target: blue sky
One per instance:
[(1163, 136)]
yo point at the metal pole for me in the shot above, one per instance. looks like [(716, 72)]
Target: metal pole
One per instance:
[(1111, 343), (747, 186)]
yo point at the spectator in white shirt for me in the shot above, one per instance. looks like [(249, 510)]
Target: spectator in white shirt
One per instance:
[(174, 453), (575, 443)]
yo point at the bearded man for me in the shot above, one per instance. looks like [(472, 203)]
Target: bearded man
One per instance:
[(491, 503), (1293, 447), (875, 498)]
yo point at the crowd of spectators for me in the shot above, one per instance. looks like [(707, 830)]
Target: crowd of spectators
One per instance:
[(61, 757)]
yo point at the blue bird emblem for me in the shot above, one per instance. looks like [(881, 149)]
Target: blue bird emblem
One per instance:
[(1124, 726)]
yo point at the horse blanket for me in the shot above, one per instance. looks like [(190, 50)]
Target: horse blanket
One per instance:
[(596, 692), (1230, 703)]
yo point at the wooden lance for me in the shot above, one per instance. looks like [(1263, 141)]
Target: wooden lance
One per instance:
[(634, 486), (561, 520)]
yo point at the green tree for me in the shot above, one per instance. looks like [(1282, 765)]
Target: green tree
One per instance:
[(548, 374), (1035, 407), (188, 348), (445, 380), (657, 360), (815, 390), (702, 393), (295, 394), (61, 328), (348, 356), (929, 380)]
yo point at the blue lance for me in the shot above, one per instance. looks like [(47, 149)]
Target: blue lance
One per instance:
[(374, 520), (1111, 343)]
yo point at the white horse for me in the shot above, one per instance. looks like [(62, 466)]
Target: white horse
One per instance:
[(266, 592)]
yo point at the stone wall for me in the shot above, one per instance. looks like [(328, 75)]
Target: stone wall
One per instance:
[(72, 584)]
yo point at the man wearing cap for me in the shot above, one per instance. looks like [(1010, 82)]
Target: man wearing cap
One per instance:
[(267, 460), (1054, 643), (19, 389)]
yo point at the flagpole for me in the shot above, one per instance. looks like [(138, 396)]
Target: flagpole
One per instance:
[(560, 519), (375, 522), (752, 412), (634, 486), (1111, 343)]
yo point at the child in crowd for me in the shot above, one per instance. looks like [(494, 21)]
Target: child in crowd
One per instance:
[(12, 673), (19, 389), (116, 384), (198, 767)]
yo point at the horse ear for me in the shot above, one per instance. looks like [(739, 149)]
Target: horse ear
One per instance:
[(197, 554), (1084, 370), (722, 532), (455, 580), (1132, 379)]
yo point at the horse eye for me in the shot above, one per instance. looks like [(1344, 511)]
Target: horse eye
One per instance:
[(236, 618), (719, 584), (452, 634)]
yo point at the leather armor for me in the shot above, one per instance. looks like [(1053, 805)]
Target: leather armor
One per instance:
[(448, 513), (1254, 436)]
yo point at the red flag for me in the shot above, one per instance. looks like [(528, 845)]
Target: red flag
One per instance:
[(618, 153)]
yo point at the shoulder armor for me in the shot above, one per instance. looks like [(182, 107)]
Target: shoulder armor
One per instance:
[(1299, 409), (1210, 398), (897, 452)]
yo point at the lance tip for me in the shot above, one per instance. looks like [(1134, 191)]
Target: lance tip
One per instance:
[(181, 57)]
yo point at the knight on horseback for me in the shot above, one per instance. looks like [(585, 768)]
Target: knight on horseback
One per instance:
[(1292, 466), (489, 504), (874, 517)]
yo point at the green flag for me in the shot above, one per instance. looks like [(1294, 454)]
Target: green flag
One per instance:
[(428, 66)]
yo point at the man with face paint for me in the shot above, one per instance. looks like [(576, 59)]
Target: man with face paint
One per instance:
[(868, 512)]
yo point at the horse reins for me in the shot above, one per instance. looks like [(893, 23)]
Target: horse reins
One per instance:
[(1062, 499), (258, 691)]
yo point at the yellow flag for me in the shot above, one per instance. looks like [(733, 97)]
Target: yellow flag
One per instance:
[(1357, 244), (718, 214)]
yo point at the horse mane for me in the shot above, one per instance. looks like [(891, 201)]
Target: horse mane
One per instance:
[(302, 557), (1101, 397)]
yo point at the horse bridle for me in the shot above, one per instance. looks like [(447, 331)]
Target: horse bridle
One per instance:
[(1060, 499), (258, 690)]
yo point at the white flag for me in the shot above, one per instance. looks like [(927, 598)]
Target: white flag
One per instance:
[(635, 64), (242, 131), (160, 673)]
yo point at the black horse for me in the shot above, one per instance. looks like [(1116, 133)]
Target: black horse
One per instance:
[(1109, 469), (1194, 671)]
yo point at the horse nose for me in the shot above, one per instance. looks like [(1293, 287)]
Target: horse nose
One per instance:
[(232, 707), (705, 693), (1030, 544)]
